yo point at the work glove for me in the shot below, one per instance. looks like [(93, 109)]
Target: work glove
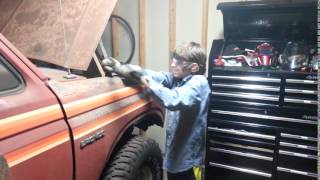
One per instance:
[(128, 71), (110, 63)]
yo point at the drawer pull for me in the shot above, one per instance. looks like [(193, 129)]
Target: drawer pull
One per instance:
[(249, 155), (249, 171), (242, 146), (301, 101), (297, 154), (300, 91), (247, 96), (243, 133), (247, 78), (248, 86), (297, 172), (253, 115), (299, 137), (298, 146), (298, 81)]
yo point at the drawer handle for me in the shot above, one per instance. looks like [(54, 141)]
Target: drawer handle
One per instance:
[(247, 96), (297, 154), (249, 171), (301, 81), (242, 146), (276, 118), (298, 146), (249, 155), (288, 90), (248, 86), (242, 133), (300, 101), (299, 137), (247, 78), (297, 172)]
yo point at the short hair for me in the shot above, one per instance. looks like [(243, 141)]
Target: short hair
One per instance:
[(191, 52)]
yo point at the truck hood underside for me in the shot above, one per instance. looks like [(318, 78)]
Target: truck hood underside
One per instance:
[(64, 33)]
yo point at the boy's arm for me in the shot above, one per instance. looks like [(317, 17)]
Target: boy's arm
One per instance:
[(131, 71), (178, 98), (164, 78)]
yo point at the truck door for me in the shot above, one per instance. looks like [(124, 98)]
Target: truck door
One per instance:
[(34, 137)]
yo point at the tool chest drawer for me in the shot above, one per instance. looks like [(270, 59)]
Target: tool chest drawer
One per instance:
[(299, 161), (257, 138), (241, 159), (218, 171), (277, 119), (298, 153), (292, 174), (245, 151)]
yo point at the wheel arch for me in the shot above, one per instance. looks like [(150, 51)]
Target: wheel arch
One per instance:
[(144, 120), (152, 117)]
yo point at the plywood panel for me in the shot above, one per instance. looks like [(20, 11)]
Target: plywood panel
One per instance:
[(204, 33), (142, 43)]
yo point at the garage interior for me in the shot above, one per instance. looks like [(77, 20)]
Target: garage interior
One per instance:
[(263, 113), (177, 21)]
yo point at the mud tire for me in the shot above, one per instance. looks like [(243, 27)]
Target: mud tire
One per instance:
[(139, 159)]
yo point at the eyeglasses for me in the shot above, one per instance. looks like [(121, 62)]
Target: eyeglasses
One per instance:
[(179, 62)]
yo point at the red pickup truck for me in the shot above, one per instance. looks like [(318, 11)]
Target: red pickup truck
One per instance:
[(52, 127), (71, 129)]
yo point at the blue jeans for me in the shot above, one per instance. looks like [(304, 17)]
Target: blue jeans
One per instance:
[(185, 175)]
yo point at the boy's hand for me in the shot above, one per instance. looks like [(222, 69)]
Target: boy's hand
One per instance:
[(144, 81), (128, 71), (110, 63)]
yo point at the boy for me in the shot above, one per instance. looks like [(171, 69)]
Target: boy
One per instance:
[(184, 92)]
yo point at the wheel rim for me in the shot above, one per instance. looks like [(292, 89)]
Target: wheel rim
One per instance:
[(145, 173)]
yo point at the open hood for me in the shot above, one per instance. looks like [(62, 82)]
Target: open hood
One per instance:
[(62, 32)]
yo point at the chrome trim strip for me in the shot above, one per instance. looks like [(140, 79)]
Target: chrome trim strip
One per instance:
[(242, 146), (298, 146), (301, 101), (242, 133), (301, 81), (247, 78), (249, 155), (248, 86), (248, 171), (248, 96), (297, 172), (299, 137), (276, 118), (300, 91), (297, 154)]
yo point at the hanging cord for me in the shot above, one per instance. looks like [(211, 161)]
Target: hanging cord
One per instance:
[(128, 28)]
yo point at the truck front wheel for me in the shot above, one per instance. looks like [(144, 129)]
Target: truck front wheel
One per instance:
[(139, 159)]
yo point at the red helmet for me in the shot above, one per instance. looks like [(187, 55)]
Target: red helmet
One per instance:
[(265, 54)]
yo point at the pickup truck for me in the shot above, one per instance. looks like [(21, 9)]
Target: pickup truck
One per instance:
[(58, 125)]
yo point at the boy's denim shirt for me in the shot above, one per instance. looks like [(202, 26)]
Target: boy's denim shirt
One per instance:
[(187, 102)]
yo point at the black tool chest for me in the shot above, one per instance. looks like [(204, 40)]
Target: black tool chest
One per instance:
[(262, 120)]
